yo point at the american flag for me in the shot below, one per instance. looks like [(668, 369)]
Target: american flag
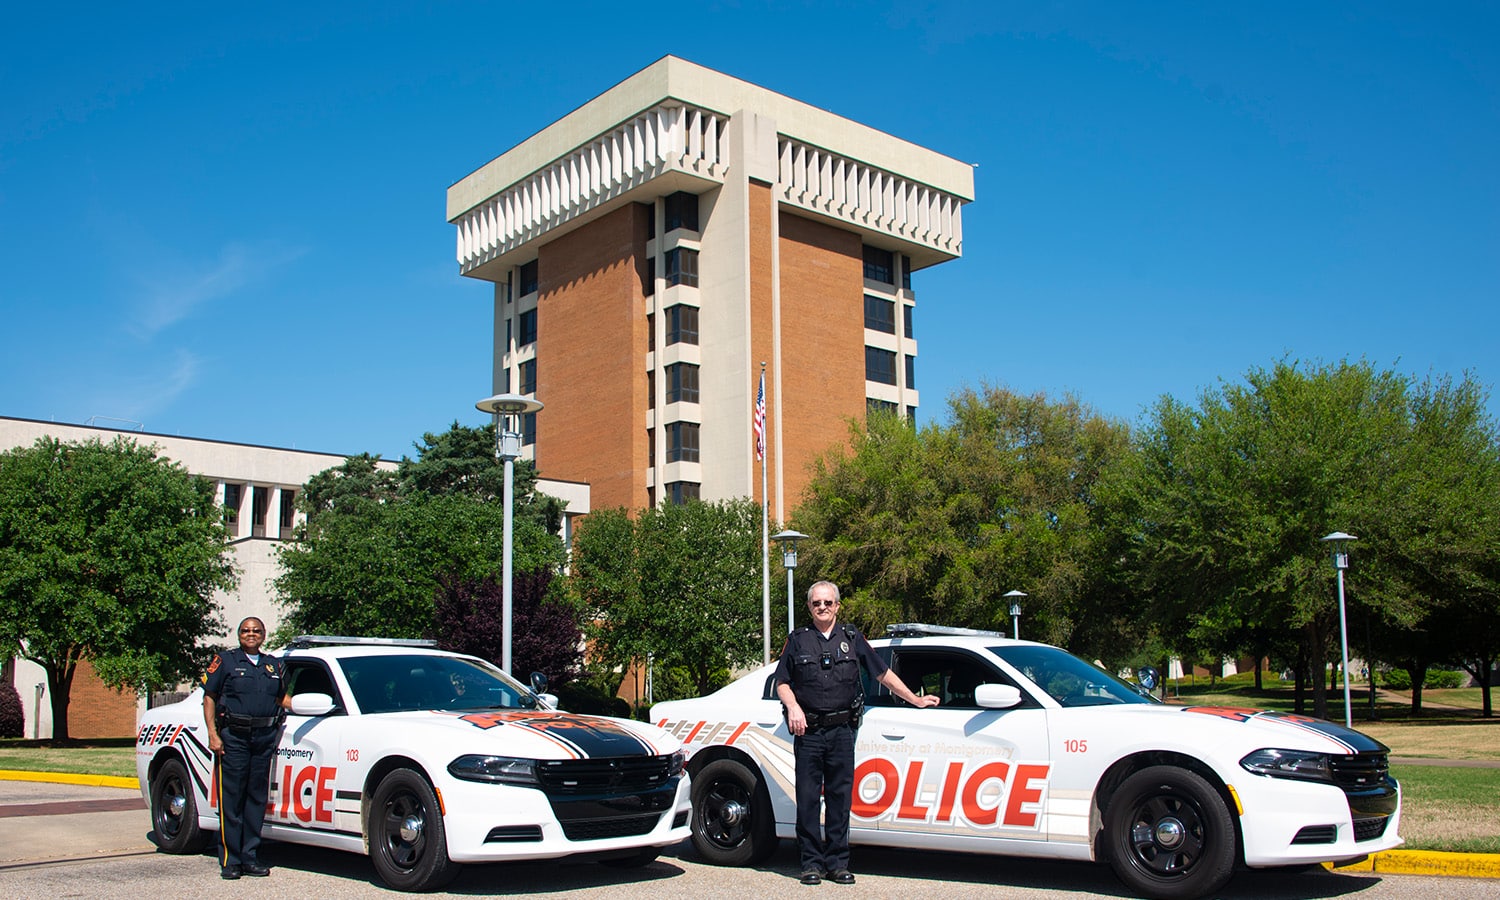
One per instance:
[(758, 422)]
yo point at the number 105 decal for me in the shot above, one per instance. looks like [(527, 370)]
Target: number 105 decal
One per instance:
[(1074, 745)]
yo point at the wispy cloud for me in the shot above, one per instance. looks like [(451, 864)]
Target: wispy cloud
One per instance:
[(146, 392), (171, 295)]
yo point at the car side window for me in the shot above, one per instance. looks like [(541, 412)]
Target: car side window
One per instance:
[(310, 677), (952, 675)]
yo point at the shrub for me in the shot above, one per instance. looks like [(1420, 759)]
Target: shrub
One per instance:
[(1400, 680), (12, 713)]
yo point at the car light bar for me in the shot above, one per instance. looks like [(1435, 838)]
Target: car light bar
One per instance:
[(303, 641), (914, 629)]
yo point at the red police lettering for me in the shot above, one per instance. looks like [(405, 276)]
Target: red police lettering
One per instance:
[(324, 802), (1022, 792), (983, 815), (977, 797)]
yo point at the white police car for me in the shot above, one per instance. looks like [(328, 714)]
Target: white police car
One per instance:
[(423, 759), (1034, 752)]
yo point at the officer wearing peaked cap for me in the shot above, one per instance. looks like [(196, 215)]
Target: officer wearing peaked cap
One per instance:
[(819, 684), (243, 697)]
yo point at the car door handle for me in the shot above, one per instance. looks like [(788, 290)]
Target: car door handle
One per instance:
[(893, 735)]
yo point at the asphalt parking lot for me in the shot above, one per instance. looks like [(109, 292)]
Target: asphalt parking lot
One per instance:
[(61, 840)]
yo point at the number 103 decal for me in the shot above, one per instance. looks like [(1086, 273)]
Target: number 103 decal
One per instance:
[(1074, 745)]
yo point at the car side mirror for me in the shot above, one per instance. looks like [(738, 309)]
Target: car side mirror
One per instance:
[(1148, 677), (549, 700), (997, 696), (312, 705)]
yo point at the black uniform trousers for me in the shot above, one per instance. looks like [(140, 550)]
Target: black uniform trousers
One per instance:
[(825, 766), (244, 785)]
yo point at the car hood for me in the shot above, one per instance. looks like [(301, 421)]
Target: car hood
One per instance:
[(537, 734), (1236, 725)]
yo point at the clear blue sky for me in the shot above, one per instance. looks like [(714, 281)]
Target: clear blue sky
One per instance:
[(228, 222)]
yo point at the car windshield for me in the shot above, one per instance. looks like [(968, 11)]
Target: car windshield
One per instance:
[(384, 684), (1066, 678)]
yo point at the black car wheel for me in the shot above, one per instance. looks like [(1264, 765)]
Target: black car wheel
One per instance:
[(1169, 834), (174, 811), (407, 842), (732, 820)]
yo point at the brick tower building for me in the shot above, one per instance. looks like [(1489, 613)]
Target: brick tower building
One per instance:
[(657, 245)]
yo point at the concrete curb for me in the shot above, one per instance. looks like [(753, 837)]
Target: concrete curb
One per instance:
[(1429, 862), (114, 781)]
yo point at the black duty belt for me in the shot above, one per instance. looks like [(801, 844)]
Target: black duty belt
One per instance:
[(829, 719), (238, 721)]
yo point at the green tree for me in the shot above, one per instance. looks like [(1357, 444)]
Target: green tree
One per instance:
[(1225, 503), (680, 584), (370, 558), (111, 554), (938, 524)]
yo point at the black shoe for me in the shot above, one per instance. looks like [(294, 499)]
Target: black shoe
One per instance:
[(842, 876), (230, 873), (812, 876), (255, 870)]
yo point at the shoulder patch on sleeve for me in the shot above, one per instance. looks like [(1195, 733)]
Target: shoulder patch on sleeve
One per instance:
[(214, 666)]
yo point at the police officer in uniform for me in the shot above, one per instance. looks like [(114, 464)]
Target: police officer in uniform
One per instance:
[(818, 681), (243, 697)]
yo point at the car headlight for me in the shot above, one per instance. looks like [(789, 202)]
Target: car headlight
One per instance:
[(495, 769), (675, 763), (1300, 764)]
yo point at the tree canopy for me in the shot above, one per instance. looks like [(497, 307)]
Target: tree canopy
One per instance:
[(370, 558), (1225, 503), (680, 584), (938, 524), (111, 554)]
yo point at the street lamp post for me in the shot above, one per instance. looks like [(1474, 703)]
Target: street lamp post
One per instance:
[(1339, 540), (789, 539), (506, 408), (1015, 598)]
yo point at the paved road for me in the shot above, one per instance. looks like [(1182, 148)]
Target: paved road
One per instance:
[(59, 841)]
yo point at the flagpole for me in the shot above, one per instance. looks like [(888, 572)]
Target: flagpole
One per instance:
[(765, 531)]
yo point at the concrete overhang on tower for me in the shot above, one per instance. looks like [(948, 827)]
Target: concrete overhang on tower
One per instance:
[(666, 126)]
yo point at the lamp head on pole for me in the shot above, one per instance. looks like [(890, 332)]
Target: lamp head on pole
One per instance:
[(1015, 598), (505, 407), (789, 539), (1340, 541)]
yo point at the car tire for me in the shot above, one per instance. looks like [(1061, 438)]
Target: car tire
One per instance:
[(1169, 834), (408, 844), (733, 824), (174, 810)]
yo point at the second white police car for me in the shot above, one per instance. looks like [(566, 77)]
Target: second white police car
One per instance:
[(422, 759), (1034, 752)]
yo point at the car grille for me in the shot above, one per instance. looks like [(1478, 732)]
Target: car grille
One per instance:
[(1317, 834), (1360, 771), (513, 834), (1370, 829), (598, 829), (616, 775)]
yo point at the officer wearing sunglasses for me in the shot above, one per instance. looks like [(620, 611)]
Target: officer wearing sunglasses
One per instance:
[(818, 681), (243, 697)]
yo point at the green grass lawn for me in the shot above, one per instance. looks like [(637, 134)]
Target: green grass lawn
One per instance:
[(93, 758), (1450, 808)]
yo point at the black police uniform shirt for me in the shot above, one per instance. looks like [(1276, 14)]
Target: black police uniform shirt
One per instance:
[(242, 688), (824, 672)]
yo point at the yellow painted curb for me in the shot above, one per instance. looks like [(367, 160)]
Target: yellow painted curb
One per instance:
[(1429, 862), (114, 781)]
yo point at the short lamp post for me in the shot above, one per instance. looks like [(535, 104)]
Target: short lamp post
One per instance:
[(507, 408), (1339, 540), (1015, 598), (789, 539)]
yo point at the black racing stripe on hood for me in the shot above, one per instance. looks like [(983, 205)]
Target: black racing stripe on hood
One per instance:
[(1354, 740), (594, 738)]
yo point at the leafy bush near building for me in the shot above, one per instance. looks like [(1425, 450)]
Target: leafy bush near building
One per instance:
[(1400, 679), (12, 714)]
